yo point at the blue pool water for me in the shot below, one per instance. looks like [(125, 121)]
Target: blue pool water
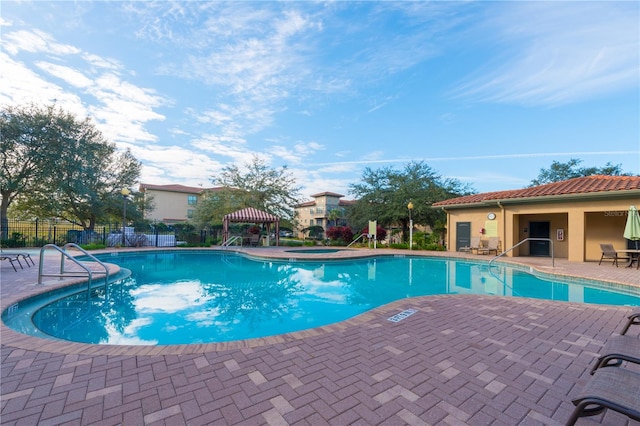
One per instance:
[(314, 250), (182, 297)]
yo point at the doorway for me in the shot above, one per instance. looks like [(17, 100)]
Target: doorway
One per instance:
[(539, 230), (463, 235)]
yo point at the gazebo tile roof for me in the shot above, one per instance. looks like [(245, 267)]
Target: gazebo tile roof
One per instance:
[(250, 214)]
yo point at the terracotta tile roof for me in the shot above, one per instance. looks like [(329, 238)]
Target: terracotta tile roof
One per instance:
[(327, 194), (175, 188), (582, 185)]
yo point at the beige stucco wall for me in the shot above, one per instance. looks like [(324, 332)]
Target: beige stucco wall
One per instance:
[(169, 206), (585, 223), (323, 205)]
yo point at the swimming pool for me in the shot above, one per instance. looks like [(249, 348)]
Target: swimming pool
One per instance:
[(315, 250), (184, 297)]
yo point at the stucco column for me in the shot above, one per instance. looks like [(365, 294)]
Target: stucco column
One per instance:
[(575, 235)]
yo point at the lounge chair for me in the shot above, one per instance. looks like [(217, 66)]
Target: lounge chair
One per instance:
[(24, 255), (492, 246), (608, 252), (620, 347), (254, 240), (474, 245), (11, 258), (633, 319), (617, 389)]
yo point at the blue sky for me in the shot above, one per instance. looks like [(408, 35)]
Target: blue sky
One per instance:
[(484, 92)]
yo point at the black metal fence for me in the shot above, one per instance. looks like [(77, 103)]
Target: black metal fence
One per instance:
[(37, 233)]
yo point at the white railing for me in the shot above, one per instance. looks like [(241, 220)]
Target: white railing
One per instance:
[(232, 240), (356, 240)]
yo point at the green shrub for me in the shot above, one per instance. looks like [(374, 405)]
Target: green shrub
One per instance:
[(399, 246), (16, 240), (93, 246)]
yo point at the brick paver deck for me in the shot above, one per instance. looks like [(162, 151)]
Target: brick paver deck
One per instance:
[(459, 360)]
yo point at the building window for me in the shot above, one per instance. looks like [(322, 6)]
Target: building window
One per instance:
[(192, 200), (190, 214)]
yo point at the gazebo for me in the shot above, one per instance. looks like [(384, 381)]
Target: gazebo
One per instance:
[(251, 215)]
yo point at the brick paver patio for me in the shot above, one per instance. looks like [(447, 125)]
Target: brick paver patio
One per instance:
[(459, 360)]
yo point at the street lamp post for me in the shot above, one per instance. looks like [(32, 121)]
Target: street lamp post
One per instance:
[(125, 193), (410, 207)]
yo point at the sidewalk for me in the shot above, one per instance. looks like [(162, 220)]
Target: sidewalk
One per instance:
[(470, 360)]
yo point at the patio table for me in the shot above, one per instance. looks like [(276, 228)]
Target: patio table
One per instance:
[(634, 256)]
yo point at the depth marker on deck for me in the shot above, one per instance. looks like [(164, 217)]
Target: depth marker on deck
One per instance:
[(402, 315)]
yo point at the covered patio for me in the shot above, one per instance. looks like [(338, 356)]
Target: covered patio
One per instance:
[(250, 215)]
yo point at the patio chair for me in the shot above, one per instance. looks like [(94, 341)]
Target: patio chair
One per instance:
[(254, 240), (473, 245), (608, 252), (492, 246), (24, 255), (11, 259), (618, 348), (617, 389), (633, 319)]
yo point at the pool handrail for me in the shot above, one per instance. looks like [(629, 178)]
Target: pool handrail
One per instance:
[(357, 238), (62, 274), (553, 263), (90, 256), (231, 240)]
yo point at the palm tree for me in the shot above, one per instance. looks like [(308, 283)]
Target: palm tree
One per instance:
[(333, 216)]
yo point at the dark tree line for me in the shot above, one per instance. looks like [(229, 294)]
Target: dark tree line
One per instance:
[(58, 166)]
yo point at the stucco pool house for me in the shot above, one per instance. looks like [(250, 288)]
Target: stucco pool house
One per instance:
[(576, 215)]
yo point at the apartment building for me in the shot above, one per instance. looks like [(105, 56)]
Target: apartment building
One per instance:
[(173, 203), (318, 211)]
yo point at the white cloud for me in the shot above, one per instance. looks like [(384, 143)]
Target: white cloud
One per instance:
[(556, 53), (35, 42), (21, 85), (69, 75), (122, 109), (163, 164)]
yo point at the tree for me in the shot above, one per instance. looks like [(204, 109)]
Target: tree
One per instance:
[(334, 215), (256, 185), (563, 171), (73, 173), (383, 195), (214, 205), (27, 133)]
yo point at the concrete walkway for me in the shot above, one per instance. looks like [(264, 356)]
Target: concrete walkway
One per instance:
[(459, 360)]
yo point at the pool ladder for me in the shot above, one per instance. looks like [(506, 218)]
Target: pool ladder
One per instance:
[(65, 255)]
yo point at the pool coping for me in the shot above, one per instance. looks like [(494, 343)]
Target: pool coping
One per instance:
[(16, 339)]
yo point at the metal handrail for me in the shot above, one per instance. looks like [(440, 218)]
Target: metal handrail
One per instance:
[(61, 275), (553, 263), (90, 256), (354, 241), (231, 240)]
